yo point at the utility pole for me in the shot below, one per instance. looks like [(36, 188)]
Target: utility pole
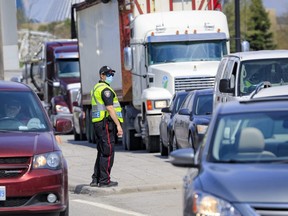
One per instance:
[(1, 46), (237, 26)]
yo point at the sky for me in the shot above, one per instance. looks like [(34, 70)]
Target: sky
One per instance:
[(281, 6), (56, 10)]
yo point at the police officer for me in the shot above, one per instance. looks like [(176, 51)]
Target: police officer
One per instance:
[(106, 118)]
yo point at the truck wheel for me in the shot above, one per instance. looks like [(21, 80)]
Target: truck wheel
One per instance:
[(76, 136), (132, 142), (82, 133), (151, 142), (163, 149), (88, 131)]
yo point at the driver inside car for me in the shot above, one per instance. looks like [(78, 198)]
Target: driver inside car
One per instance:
[(12, 109)]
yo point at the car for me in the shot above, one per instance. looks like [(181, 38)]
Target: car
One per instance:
[(239, 74), (33, 170), (79, 120), (166, 120), (240, 168), (192, 119)]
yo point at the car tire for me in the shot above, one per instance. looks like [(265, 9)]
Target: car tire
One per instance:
[(174, 143), (163, 149), (66, 212)]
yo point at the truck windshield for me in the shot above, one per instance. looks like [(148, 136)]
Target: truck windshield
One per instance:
[(186, 51), (68, 68), (252, 73)]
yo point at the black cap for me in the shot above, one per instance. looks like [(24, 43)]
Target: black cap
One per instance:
[(105, 70)]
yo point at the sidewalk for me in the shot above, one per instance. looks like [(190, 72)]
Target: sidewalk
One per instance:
[(133, 170)]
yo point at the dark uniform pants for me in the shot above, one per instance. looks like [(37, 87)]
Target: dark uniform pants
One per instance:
[(105, 138)]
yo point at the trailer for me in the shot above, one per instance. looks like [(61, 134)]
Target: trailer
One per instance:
[(157, 48)]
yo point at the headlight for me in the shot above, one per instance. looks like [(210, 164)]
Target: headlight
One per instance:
[(52, 160), (201, 129), (62, 109), (208, 205), (161, 104)]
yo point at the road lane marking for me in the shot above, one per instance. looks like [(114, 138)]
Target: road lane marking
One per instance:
[(109, 207)]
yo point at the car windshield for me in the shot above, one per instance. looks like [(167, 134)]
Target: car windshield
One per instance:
[(252, 73), (19, 111), (251, 137)]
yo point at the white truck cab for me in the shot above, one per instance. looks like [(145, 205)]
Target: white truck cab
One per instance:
[(239, 74)]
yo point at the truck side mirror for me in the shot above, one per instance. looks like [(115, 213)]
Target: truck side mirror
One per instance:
[(128, 61), (224, 86)]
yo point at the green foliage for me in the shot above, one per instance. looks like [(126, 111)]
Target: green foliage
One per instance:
[(258, 28), (254, 24)]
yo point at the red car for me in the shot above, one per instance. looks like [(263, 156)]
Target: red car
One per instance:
[(33, 171)]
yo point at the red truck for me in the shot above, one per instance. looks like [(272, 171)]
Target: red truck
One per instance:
[(57, 78)]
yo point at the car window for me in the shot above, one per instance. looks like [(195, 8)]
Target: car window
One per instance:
[(251, 137), (178, 102), (186, 102), (20, 111), (252, 73), (204, 105)]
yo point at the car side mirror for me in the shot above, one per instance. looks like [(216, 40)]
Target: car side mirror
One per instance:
[(224, 86), (184, 111), (165, 110)]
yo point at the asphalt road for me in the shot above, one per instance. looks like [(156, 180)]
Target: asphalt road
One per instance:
[(133, 170)]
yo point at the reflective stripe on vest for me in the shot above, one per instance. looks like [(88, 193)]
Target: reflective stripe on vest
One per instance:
[(99, 110)]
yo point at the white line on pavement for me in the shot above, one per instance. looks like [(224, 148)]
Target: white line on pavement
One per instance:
[(109, 207)]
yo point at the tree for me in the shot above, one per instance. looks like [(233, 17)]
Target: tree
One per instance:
[(258, 27), (254, 24)]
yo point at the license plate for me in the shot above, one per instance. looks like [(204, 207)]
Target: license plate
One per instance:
[(2, 193)]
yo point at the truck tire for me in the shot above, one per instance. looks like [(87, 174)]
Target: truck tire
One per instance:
[(132, 142), (76, 136), (89, 128), (152, 143)]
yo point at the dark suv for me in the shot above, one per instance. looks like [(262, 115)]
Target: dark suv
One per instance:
[(242, 163), (33, 171)]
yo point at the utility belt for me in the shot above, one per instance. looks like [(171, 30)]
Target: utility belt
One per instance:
[(107, 120)]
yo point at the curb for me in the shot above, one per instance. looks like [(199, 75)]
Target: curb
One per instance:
[(86, 189)]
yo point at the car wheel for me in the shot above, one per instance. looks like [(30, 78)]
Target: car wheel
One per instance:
[(174, 143), (191, 141), (66, 212), (163, 149)]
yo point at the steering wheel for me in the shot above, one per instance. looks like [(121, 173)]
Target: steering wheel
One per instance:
[(9, 123)]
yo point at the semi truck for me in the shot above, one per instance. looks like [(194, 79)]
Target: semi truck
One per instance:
[(55, 74), (157, 48)]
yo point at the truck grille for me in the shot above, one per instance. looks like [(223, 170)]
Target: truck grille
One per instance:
[(192, 83)]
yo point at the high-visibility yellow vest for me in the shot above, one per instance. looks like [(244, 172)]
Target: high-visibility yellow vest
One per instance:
[(99, 111)]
